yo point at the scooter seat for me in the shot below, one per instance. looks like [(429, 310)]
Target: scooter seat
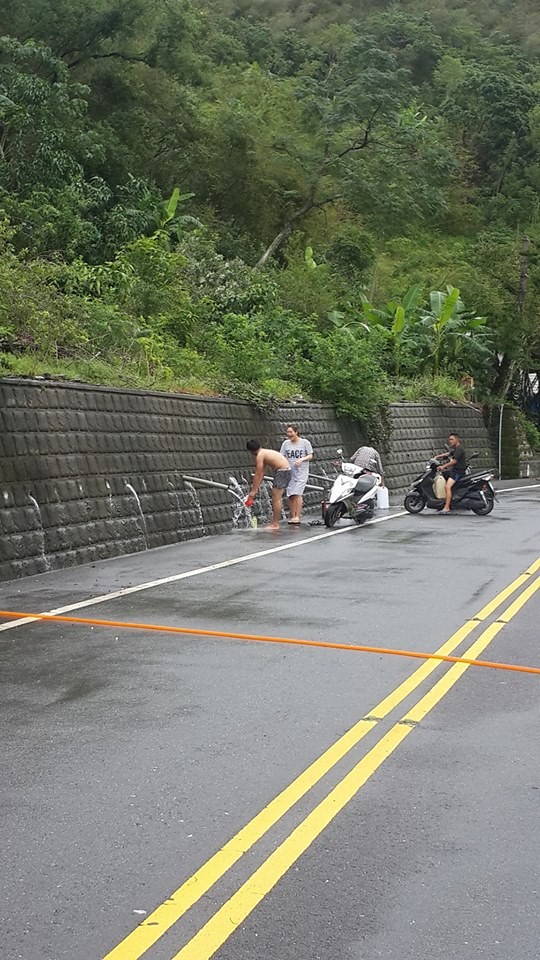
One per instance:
[(364, 484)]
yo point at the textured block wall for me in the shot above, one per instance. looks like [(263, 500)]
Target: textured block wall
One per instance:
[(88, 472)]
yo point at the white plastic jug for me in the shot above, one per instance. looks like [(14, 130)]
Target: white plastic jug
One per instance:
[(383, 500), (439, 486)]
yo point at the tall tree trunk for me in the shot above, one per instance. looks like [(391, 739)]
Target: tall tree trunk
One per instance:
[(285, 232), (503, 379), (507, 367), (523, 276), (287, 229)]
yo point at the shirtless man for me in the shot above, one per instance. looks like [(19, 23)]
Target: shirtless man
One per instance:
[(282, 475)]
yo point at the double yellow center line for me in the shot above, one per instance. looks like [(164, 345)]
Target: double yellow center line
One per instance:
[(233, 913)]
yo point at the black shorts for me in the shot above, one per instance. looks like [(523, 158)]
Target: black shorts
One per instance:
[(282, 479), (452, 474)]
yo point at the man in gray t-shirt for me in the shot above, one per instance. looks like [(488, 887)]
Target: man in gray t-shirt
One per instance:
[(299, 452)]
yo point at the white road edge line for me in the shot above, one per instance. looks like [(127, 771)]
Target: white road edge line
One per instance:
[(93, 601), (526, 486)]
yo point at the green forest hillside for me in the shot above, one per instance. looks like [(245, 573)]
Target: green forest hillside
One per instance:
[(334, 200)]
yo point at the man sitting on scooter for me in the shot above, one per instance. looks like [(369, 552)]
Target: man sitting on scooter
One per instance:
[(454, 469)]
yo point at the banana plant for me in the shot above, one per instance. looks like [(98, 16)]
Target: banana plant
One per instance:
[(395, 314), (170, 222), (448, 324), (405, 316), (349, 320)]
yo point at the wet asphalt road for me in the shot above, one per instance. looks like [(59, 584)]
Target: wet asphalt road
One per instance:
[(130, 757)]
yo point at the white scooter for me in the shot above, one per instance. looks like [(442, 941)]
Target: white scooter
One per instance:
[(353, 494)]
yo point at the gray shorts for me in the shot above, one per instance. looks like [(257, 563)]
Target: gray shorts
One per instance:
[(281, 479)]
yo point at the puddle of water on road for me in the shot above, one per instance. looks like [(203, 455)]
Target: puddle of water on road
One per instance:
[(79, 690)]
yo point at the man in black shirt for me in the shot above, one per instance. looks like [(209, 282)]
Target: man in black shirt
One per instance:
[(454, 469)]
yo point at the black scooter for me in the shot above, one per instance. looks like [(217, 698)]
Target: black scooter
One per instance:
[(471, 492)]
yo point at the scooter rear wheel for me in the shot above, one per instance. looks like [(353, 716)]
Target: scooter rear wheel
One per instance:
[(483, 509), (414, 503), (363, 515), (334, 512)]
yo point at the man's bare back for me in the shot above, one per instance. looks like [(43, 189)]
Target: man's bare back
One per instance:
[(272, 459)]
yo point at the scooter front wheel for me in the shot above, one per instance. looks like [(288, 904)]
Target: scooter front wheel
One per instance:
[(333, 513), (414, 503)]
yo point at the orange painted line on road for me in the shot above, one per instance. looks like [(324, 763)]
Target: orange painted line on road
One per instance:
[(293, 641)]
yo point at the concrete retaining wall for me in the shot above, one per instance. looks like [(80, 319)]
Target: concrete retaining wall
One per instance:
[(88, 473)]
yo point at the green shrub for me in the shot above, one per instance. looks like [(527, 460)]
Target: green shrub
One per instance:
[(430, 388), (347, 372), (532, 434), (239, 349), (529, 430), (282, 389), (351, 251), (188, 365), (219, 286), (307, 293)]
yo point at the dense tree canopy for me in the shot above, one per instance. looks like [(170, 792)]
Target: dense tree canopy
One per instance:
[(332, 157)]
